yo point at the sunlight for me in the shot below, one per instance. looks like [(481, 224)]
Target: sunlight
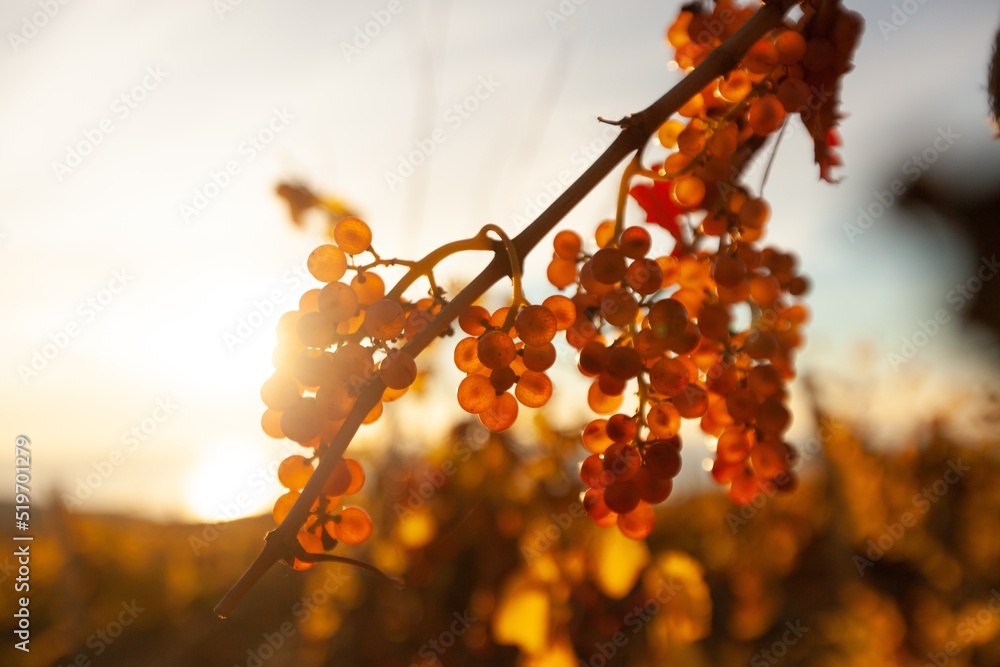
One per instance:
[(233, 479)]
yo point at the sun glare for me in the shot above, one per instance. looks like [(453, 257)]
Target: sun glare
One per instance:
[(232, 480)]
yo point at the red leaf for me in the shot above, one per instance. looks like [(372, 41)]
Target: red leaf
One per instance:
[(660, 208)]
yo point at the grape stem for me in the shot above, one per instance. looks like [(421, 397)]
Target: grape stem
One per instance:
[(515, 275), (281, 543)]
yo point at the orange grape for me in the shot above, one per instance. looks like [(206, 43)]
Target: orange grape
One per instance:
[(309, 301), (536, 325), (622, 460), (692, 402), (474, 320), (533, 389), (688, 191), (662, 458), (638, 523), (301, 422), (669, 377), (692, 140), (476, 393), (621, 428), (352, 235), (369, 287), (766, 115), (595, 438), (539, 357), (495, 350), (605, 233), (327, 263), (644, 276), (561, 273), (339, 480), (621, 496), (635, 242), (668, 133), (338, 302), (600, 402), (564, 310), (668, 317), (502, 414), (280, 391), (357, 477), (663, 420), (735, 86), (398, 370), (794, 95), (791, 46), (316, 330), (608, 265), (761, 58), (294, 472), (754, 213), (354, 527), (335, 400), (283, 505), (593, 473), (567, 244), (384, 319), (652, 489), (270, 423), (466, 356), (623, 362)]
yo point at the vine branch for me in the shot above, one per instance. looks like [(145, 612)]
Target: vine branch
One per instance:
[(281, 543)]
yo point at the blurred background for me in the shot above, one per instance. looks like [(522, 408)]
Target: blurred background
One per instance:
[(147, 258)]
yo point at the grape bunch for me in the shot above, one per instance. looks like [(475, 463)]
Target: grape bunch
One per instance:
[(708, 332), (340, 337)]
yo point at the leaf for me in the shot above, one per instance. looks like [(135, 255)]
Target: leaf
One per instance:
[(522, 616), (618, 562), (660, 208), (840, 30)]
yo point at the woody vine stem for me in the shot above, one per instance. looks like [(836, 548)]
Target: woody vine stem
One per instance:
[(281, 544)]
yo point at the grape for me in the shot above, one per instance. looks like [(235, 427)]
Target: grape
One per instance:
[(352, 235), (688, 191), (593, 473), (503, 379), (618, 307), (398, 370), (622, 460), (561, 273), (327, 263), (621, 428), (736, 86), (742, 405), (668, 318), (369, 287), (608, 265), (353, 363), (766, 115), (564, 310), (761, 58), (280, 391), (790, 47), (536, 325), (502, 414), (595, 438), (339, 481), (734, 444), (357, 477), (467, 357), (773, 418), (638, 523), (539, 358), (533, 389), (476, 394), (635, 242), (338, 302), (662, 458), (283, 505), (621, 496), (623, 363), (294, 472), (309, 301), (668, 132), (335, 400), (270, 423), (316, 330), (567, 245), (593, 357), (663, 420), (384, 319), (692, 402), (495, 350), (594, 505), (474, 320), (652, 489), (644, 276), (301, 422), (601, 402), (354, 527)]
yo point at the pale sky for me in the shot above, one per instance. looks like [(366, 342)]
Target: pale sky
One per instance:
[(132, 297)]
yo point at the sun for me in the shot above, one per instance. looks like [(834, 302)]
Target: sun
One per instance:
[(233, 479)]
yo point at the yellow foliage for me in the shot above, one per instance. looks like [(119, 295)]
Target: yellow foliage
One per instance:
[(618, 561)]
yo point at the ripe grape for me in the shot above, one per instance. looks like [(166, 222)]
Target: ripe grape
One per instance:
[(638, 523), (384, 319), (536, 325), (398, 370), (608, 265), (567, 245), (338, 302), (495, 350), (533, 389), (502, 414), (301, 422), (354, 527), (476, 393), (352, 235), (327, 263), (663, 420), (294, 471)]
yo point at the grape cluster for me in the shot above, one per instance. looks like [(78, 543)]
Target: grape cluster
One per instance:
[(340, 337), (507, 352), (708, 332)]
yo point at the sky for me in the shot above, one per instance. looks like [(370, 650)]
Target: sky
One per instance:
[(145, 257)]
